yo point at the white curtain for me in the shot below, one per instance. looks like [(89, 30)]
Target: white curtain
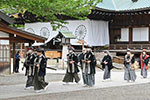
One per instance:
[(124, 34), (98, 34), (140, 34)]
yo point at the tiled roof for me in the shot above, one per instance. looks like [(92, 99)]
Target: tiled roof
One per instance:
[(120, 5), (67, 34), (6, 18)]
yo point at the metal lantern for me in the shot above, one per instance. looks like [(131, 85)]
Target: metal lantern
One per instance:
[(67, 41), (63, 40)]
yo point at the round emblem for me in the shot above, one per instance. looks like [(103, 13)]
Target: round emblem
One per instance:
[(80, 32), (30, 30), (44, 32)]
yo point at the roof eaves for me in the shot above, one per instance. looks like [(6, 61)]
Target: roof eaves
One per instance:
[(25, 32), (67, 34), (129, 10), (6, 18)]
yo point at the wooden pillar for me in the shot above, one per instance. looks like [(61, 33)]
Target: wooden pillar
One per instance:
[(130, 36), (21, 52), (10, 56), (82, 46), (111, 32), (82, 41), (148, 37), (149, 33), (64, 55), (14, 47)]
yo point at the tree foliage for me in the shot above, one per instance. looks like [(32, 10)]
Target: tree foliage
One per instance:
[(49, 9)]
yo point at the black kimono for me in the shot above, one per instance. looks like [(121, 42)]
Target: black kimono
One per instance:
[(72, 69), (80, 58), (30, 71), (32, 59), (29, 82), (89, 68), (107, 67), (40, 72)]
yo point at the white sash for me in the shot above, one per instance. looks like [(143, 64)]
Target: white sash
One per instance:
[(72, 65), (86, 65)]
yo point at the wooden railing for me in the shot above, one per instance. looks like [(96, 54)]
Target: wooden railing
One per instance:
[(131, 46)]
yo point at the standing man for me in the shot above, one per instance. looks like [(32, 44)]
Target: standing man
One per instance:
[(17, 59), (129, 70), (31, 66), (72, 67), (89, 63), (107, 65), (82, 60), (144, 59), (40, 72), (28, 73)]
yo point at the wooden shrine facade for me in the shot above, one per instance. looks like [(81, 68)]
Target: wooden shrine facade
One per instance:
[(132, 22), (127, 28)]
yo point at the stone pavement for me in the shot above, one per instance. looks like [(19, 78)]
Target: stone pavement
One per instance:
[(17, 90)]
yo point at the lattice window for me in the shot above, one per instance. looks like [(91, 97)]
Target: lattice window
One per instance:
[(4, 53)]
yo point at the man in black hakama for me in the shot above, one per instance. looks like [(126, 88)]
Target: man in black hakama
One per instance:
[(72, 68), (28, 73), (40, 72), (31, 66)]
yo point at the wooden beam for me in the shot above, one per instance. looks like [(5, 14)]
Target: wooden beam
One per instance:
[(4, 38), (3, 23), (19, 39), (10, 57), (127, 26), (140, 13), (93, 12), (97, 13), (14, 65), (145, 12), (130, 35), (100, 12), (5, 29), (103, 13), (149, 33)]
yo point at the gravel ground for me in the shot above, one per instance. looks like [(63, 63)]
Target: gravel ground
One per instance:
[(21, 79), (132, 92)]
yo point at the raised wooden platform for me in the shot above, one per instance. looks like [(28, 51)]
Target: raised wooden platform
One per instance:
[(133, 47)]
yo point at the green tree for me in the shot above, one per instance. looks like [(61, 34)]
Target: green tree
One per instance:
[(49, 9)]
